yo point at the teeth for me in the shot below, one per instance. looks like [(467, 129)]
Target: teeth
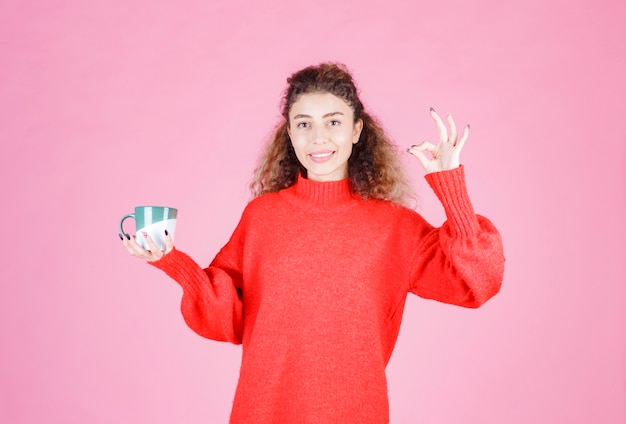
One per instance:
[(321, 155)]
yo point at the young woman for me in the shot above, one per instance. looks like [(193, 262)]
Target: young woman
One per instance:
[(314, 279)]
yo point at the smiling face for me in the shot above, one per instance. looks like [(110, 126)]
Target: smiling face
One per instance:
[(322, 132)]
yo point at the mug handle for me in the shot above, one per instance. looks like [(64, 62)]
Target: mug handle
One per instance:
[(124, 218)]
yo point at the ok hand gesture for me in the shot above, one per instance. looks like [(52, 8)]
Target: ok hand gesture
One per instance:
[(444, 155)]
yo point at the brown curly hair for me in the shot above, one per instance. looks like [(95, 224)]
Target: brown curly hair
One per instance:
[(373, 167)]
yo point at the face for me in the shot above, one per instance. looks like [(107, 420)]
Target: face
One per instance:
[(322, 132)]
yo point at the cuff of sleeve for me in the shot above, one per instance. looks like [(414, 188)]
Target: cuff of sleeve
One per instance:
[(181, 268), (450, 188), (166, 261)]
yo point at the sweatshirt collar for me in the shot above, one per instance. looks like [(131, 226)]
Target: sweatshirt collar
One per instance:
[(327, 193)]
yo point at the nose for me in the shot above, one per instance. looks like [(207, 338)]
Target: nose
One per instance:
[(321, 135)]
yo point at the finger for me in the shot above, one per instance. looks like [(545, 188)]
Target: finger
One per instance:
[(426, 161), (421, 157), (424, 145), (427, 147), (452, 125), (131, 245), (152, 247), (126, 241), (464, 137), (441, 127), (169, 244)]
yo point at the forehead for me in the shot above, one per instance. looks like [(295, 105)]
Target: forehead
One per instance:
[(319, 104)]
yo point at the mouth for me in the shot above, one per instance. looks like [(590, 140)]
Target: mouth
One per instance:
[(321, 156)]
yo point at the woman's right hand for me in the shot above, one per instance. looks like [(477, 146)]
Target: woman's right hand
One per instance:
[(154, 254)]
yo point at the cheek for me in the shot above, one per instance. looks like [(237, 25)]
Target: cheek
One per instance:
[(298, 147), (350, 150)]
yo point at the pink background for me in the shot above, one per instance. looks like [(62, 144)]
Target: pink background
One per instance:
[(106, 105)]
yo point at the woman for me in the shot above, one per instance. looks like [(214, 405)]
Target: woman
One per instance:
[(314, 279)]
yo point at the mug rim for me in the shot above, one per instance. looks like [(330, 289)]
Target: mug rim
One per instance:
[(154, 206)]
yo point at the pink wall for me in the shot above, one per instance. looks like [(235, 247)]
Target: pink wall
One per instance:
[(105, 105)]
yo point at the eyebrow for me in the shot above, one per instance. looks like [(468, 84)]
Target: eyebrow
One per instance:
[(301, 115)]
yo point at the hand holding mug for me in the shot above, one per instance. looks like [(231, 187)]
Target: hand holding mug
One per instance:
[(155, 226), (153, 253)]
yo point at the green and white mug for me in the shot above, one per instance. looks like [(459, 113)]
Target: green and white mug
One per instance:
[(154, 220)]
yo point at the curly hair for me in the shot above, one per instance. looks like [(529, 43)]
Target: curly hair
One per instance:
[(373, 167)]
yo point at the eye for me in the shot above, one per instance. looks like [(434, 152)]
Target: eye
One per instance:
[(303, 125), (334, 123)]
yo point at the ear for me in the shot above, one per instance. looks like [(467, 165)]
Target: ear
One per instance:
[(358, 128)]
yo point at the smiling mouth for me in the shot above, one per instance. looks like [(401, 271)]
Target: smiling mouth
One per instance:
[(321, 156)]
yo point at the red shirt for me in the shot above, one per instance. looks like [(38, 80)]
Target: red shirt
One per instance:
[(313, 284)]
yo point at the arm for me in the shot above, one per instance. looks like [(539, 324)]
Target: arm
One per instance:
[(462, 262), (211, 303)]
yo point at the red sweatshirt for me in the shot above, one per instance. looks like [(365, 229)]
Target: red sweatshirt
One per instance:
[(313, 284)]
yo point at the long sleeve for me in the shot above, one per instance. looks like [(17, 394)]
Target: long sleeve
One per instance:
[(211, 303), (462, 262)]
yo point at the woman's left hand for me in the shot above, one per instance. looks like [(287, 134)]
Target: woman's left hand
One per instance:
[(444, 155)]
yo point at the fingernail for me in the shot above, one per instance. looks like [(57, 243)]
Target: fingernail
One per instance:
[(432, 109), (127, 236), (121, 237), (468, 126), (166, 233)]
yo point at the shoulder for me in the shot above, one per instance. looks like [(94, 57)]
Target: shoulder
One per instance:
[(263, 204), (392, 211)]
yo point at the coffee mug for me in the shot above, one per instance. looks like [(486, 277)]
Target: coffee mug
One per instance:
[(154, 220)]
